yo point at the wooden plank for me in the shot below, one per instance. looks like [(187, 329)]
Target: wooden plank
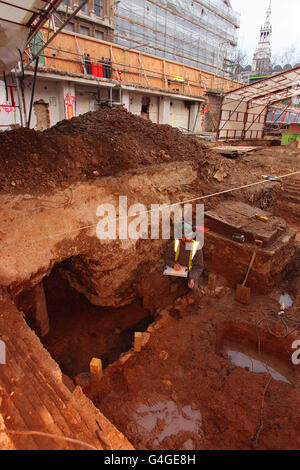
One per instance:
[(235, 151), (150, 70), (141, 65)]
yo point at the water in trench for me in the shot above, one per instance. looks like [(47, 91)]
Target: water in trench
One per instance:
[(254, 365), (250, 359), (166, 419), (286, 301), (80, 331)]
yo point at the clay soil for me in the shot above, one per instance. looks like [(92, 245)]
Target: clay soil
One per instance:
[(80, 330), (110, 141), (183, 391), (101, 143)]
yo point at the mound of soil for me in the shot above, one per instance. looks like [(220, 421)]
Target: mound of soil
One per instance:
[(101, 143)]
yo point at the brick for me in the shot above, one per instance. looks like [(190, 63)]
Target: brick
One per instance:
[(96, 366), (138, 341)]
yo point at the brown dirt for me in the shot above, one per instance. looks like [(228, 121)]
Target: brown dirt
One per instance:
[(80, 330), (34, 398), (182, 391), (100, 143)]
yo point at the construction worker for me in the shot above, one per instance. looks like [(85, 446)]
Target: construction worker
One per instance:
[(186, 253)]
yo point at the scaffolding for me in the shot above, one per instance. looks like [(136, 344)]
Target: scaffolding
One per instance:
[(201, 34), (67, 52)]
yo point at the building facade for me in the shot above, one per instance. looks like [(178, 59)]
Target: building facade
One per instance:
[(199, 33), (202, 34), (95, 19), (72, 78), (60, 97)]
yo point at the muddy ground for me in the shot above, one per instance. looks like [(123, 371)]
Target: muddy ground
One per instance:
[(216, 374), (201, 381), (80, 330), (183, 391)]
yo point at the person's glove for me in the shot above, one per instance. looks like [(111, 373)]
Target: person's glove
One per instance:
[(177, 267)]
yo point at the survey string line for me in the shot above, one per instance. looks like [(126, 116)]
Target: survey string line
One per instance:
[(165, 207)]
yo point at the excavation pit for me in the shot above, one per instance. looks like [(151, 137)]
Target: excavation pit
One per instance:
[(258, 351), (276, 245), (79, 331), (179, 391)]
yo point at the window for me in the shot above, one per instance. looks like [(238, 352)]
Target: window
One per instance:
[(84, 30), (70, 27), (145, 108), (98, 34), (84, 8), (67, 3), (98, 7)]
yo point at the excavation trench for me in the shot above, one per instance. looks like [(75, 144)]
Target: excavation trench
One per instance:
[(78, 330), (257, 351), (200, 369), (199, 380)]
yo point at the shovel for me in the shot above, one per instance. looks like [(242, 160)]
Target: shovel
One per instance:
[(243, 293)]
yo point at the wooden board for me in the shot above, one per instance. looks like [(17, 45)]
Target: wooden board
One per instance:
[(238, 217), (235, 151), (135, 66)]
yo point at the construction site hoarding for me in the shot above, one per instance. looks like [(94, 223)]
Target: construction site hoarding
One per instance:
[(239, 120), (67, 50)]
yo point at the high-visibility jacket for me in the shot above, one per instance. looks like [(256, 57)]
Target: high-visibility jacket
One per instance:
[(177, 244)]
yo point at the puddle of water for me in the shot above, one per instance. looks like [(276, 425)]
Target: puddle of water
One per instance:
[(168, 419), (254, 365), (286, 300)]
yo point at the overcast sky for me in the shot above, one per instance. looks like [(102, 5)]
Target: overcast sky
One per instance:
[(285, 22)]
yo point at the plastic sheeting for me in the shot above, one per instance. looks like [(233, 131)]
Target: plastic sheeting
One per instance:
[(14, 36), (170, 29), (243, 111)]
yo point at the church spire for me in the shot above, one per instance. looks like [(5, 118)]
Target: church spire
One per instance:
[(269, 12), (266, 30), (262, 56)]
